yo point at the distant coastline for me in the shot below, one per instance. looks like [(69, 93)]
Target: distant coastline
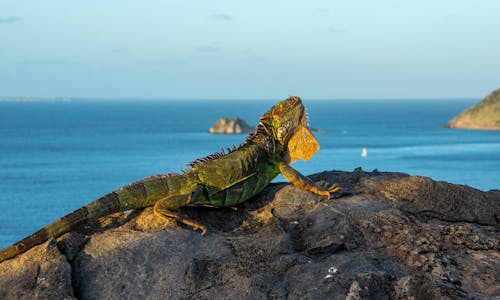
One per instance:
[(35, 99)]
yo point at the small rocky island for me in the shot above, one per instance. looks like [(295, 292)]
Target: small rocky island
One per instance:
[(231, 126), (387, 236), (483, 115)]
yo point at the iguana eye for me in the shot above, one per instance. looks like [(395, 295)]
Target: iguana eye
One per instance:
[(281, 132)]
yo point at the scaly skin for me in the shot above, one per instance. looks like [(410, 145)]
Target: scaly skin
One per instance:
[(218, 180)]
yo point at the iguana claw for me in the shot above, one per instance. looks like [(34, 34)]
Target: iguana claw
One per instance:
[(329, 188)]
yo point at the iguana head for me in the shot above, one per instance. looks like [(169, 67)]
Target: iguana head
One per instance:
[(287, 122)]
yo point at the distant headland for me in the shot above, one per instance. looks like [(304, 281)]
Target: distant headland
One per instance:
[(483, 115)]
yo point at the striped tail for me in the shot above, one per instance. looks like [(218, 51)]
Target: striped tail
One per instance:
[(126, 198), (140, 194)]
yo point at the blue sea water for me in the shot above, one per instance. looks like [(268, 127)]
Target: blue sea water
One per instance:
[(58, 156)]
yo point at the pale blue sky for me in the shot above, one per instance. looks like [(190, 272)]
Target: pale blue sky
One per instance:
[(251, 49)]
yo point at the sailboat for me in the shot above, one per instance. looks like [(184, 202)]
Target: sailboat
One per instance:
[(364, 152)]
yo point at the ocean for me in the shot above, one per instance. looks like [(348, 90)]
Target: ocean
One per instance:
[(58, 156)]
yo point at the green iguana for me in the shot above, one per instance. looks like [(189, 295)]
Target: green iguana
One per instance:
[(218, 180)]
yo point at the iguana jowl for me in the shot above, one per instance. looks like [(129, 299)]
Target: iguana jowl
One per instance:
[(219, 180)]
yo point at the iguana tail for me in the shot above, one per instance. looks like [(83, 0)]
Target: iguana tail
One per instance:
[(132, 196)]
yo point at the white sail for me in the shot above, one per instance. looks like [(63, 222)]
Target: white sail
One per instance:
[(364, 152)]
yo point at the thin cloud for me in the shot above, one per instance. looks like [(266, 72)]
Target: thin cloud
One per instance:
[(331, 29), (120, 50), (247, 51), (335, 29), (9, 20), (164, 62), (321, 11), (206, 49), (222, 17), (46, 62), (250, 55), (259, 59)]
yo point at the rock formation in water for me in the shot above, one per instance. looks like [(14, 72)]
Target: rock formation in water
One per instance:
[(483, 115), (231, 126), (389, 236)]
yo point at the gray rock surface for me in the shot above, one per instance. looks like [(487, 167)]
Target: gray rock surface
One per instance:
[(231, 126), (388, 236)]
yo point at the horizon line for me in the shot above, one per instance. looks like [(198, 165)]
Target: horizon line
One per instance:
[(132, 98)]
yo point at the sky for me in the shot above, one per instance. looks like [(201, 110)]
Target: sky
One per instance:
[(193, 49)]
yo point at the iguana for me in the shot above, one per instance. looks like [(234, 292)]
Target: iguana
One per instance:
[(218, 180)]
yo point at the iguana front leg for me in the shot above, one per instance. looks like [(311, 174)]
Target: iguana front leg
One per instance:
[(163, 207), (304, 183)]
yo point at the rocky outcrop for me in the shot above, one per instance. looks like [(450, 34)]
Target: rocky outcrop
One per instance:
[(483, 115), (231, 126), (388, 236)]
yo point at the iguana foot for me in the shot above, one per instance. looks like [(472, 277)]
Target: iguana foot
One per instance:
[(195, 225), (329, 188), (167, 215)]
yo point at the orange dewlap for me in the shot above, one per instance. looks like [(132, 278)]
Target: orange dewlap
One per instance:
[(302, 145)]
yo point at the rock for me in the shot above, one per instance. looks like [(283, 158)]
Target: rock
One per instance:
[(41, 273), (483, 115), (388, 236), (231, 126)]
